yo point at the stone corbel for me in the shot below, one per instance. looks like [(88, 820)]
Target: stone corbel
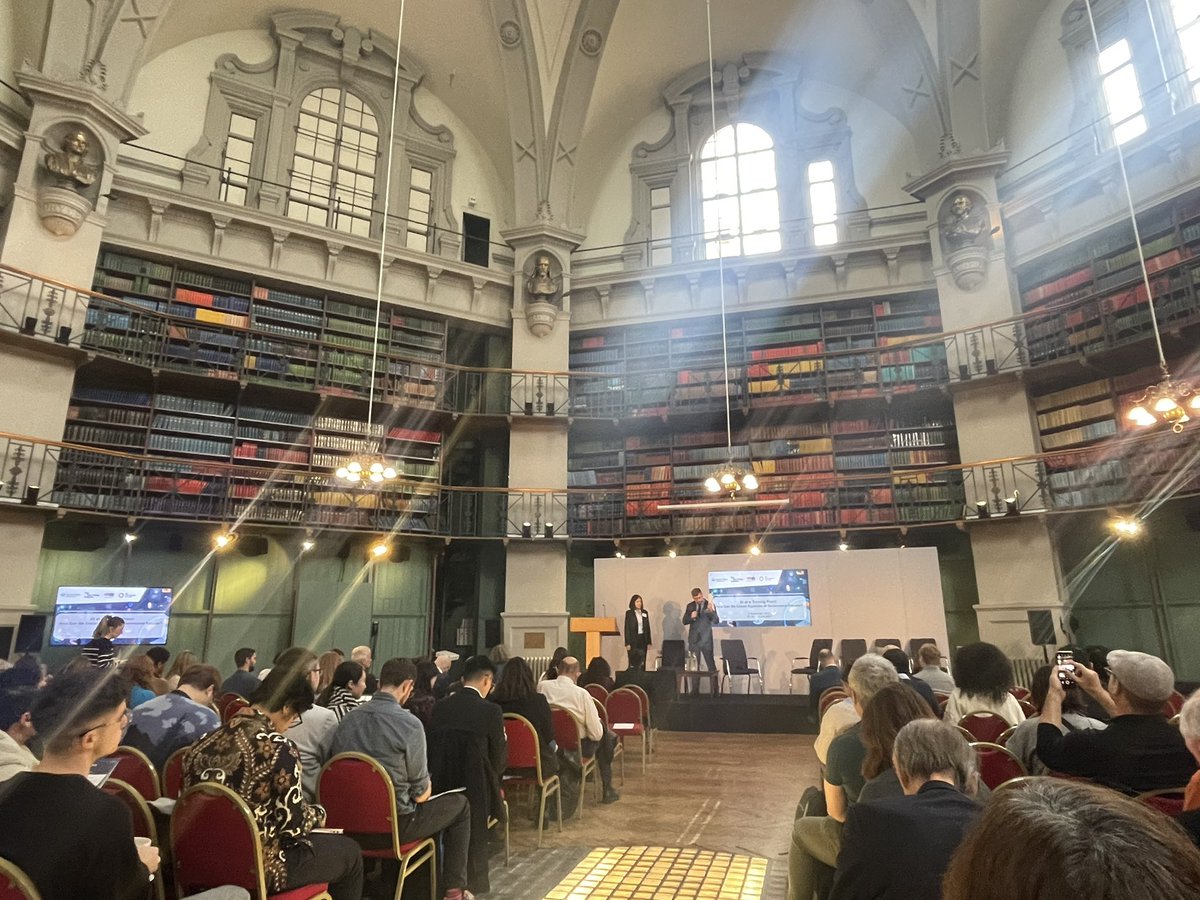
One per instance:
[(332, 250), (648, 294), (604, 291), (477, 286), (220, 223), (891, 258), (157, 208), (743, 284), (278, 236), (693, 280), (433, 273), (839, 269)]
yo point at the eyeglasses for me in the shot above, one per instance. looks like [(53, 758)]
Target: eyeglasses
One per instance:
[(299, 720), (122, 722)]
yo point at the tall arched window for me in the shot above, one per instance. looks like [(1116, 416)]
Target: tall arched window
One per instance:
[(739, 192), (333, 171)]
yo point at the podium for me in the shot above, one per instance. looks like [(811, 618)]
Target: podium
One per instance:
[(594, 628)]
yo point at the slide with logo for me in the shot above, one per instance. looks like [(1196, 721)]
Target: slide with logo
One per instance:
[(764, 597)]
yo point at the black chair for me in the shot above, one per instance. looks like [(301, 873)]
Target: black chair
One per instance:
[(915, 644), (880, 643), (852, 649), (672, 655), (810, 670), (734, 662)]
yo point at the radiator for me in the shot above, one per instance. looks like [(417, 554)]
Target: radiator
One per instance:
[(538, 664), (1023, 670)]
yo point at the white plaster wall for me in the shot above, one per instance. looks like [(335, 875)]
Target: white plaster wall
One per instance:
[(7, 12), (1039, 110), (855, 594)]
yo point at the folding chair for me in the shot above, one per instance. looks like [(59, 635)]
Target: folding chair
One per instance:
[(599, 691), (524, 753), (996, 764), (143, 822), (624, 709), (568, 734), (808, 671), (359, 797), (735, 663), (136, 770), (852, 649), (983, 725)]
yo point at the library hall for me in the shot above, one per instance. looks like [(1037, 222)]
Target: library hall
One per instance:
[(585, 449)]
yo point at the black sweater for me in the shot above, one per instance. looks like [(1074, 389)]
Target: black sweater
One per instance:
[(1133, 754)]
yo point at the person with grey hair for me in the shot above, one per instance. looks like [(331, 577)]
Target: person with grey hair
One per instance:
[(843, 714), (899, 848), (1139, 750), (817, 839), (1189, 728)]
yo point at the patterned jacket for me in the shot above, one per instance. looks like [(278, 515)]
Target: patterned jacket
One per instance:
[(263, 768)]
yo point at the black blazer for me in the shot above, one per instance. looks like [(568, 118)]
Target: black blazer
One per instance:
[(465, 710), (632, 638), (899, 849)]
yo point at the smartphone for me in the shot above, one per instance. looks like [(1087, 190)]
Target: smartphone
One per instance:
[(1065, 658)]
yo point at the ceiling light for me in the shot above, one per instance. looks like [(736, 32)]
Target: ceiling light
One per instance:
[(526, 530), (307, 544), (671, 554), (755, 550), (1165, 403), (1125, 526), (224, 540), (380, 549), (843, 546), (130, 537), (618, 555), (364, 470), (548, 530), (731, 479)]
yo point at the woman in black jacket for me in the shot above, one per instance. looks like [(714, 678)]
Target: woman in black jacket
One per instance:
[(637, 633), (517, 693)]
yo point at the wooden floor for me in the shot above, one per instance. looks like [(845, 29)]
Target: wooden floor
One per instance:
[(734, 794)]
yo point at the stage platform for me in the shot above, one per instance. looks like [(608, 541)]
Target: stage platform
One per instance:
[(739, 713)]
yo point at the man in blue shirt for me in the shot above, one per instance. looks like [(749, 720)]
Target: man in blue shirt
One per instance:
[(383, 730), (161, 726)]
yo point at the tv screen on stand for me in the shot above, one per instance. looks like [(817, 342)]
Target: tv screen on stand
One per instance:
[(78, 610)]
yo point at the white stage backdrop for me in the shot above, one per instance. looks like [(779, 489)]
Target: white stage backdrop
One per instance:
[(864, 594)]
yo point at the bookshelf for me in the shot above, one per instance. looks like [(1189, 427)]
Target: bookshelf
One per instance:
[(1090, 297)]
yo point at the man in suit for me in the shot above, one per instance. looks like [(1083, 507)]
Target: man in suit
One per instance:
[(827, 675), (700, 617), (469, 710), (899, 849)]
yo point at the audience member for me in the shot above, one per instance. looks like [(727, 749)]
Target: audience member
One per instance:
[(313, 734), (421, 702), (1189, 728), (560, 653), (827, 676), (467, 710), (816, 839), (242, 682), (499, 656), (516, 692), (929, 669), (327, 664), (363, 656), (444, 660), (348, 683), (177, 719), (899, 848), (383, 730), (1139, 750), (892, 707), (99, 651), (598, 741), (159, 656), (1023, 742), (984, 675), (138, 675), (72, 840), (16, 731), (837, 718), (251, 755), (1052, 838), (27, 671), (599, 672), (899, 659), (184, 661)]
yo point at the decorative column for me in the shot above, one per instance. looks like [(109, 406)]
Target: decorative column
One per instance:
[(535, 606), (1016, 564)]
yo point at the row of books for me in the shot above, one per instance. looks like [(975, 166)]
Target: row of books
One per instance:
[(1082, 435), (113, 415), (1069, 415)]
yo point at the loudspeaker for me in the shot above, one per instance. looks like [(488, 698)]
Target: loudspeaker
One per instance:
[(251, 545), (84, 536), (1041, 627), (31, 631)]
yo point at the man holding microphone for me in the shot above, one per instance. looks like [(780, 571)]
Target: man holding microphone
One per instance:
[(700, 617)]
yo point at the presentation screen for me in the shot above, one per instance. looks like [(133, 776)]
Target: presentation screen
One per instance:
[(761, 597), (78, 610)]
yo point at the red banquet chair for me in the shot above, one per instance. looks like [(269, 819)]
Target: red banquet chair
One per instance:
[(996, 764), (619, 750), (984, 726), (599, 691), (1019, 692), (215, 842), (568, 734), (1175, 703), (15, 884), (645, 698), (135, 769), (359, 797), (172, 774), (624, 709), (828, 698), (143, 820), (1168, 801), (232, 708), (525, 757), (1028, 708)]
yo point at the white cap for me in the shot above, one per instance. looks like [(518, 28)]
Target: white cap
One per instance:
[(447, 654)]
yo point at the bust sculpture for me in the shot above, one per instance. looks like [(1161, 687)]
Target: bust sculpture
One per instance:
[(963, 225), (542, 286), (69, 162)]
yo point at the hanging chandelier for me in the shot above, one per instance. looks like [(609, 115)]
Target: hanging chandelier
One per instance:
[(732, 480), (367, 469)]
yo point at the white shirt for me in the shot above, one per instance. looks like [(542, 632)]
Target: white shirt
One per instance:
[(961, 704), (564, 693), (14, 757), (641, 620), (837, 719)]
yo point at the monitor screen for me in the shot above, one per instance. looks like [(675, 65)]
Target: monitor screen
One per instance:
[(762, 597), (78, 610)]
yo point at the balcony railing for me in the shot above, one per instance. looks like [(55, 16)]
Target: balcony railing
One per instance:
[(1121, 472)]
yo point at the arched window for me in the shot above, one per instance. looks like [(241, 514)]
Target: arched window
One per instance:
[(739, 192), (333, 172)]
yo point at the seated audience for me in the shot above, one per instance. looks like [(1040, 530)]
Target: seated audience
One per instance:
[(1139, 750), (159, 656), (347, 685), (28, 671), (899, 659), (892, 707), (138, 675), (468, 710), (184, 661), (444, 660), (382, 729), (1189, 727), (598, 741), (929, 669), (984, 675), (499, 656), (900, 847), (838, 717), (72, 840), (363, 656), (827, 676), (177, 719), (421, 702), (16, 730), (599, 672), (327, 664), (1023, 741), (816, 839), (1052, 838), (313, 734), (560, 653), (251, 755), (243, 682), (516, 692)]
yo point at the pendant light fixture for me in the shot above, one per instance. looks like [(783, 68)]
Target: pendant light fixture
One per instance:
[(1169, 401), (374, 469)]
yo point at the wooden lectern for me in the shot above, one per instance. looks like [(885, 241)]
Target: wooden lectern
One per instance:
[(595, 628)]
